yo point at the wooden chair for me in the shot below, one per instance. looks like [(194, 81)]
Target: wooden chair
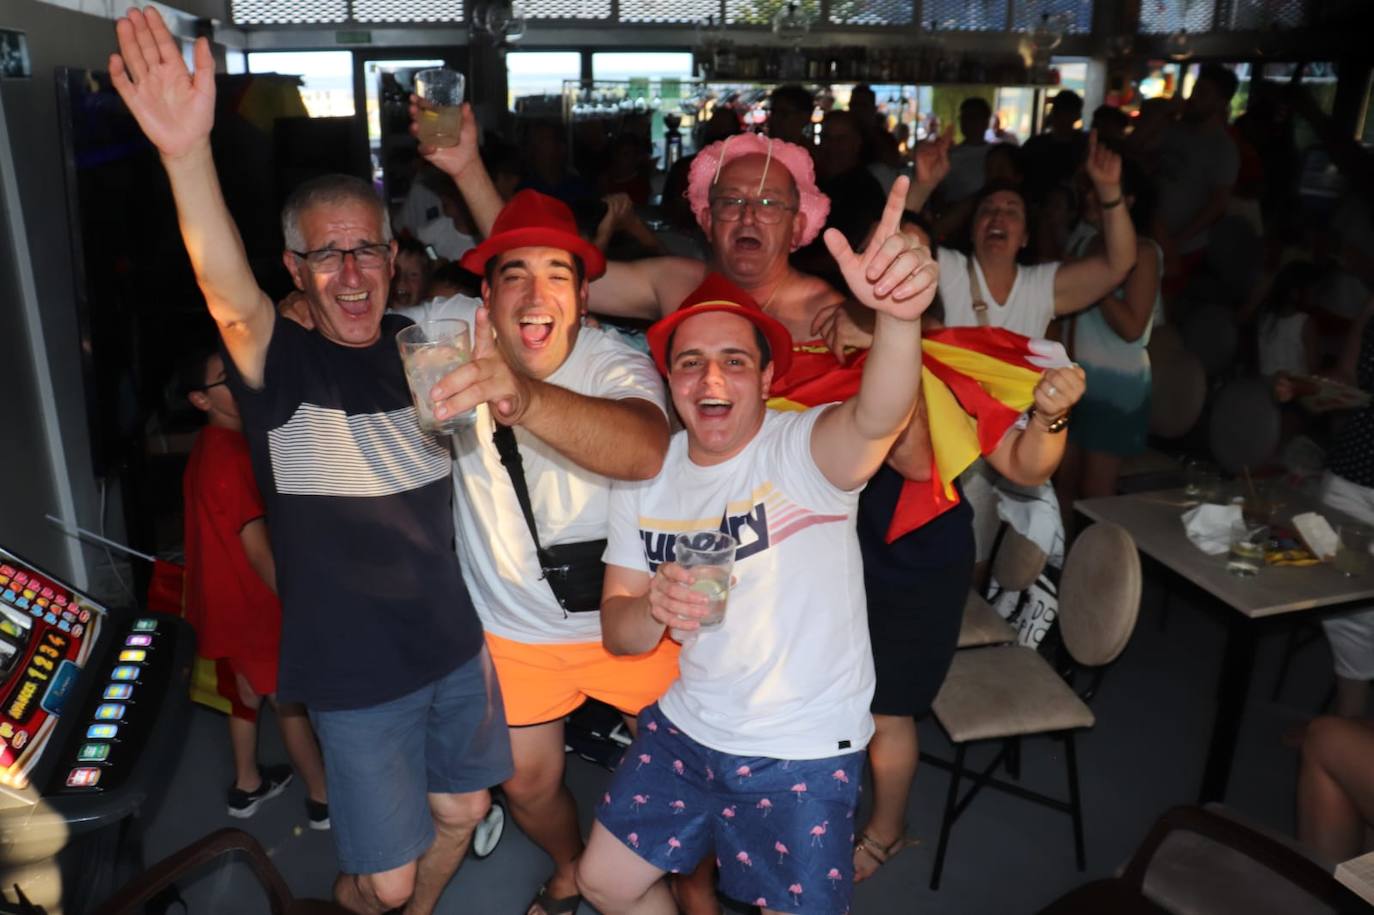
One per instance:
[(1202, 862), (1244, 427), (1005, 692), (1178, 394), (131, 898), (1016, 564)]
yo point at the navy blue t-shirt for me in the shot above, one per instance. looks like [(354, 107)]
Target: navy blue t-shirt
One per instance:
[(941, 541), (359, 507)]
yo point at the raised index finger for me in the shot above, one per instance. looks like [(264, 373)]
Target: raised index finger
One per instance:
[(891, 221)]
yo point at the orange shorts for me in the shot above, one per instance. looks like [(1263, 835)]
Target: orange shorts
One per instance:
[(542, 683)]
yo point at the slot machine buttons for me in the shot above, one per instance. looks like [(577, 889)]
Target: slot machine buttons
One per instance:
[(118, 691), (64, 625), (93, 752), (30, 594), (84, 616), (21, 577), (110, 711), (139, 641), (145, 625), (22, 603), (9, 596), (47, 594), (78, 629), (124, 672), (133, 656), (102, 731), (42, 602), (60, 600), (49, 618), (85, 777)]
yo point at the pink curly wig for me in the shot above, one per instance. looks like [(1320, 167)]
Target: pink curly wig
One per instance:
[(705, 172)]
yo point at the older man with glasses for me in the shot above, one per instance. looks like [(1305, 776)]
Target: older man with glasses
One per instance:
[(380, 640)]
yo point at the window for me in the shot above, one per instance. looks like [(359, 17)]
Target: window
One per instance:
[(641, 64), (326, 78), (540, 73), (400, 70)]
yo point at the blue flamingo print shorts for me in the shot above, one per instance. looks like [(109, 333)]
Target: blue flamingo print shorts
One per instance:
[(782, 831)]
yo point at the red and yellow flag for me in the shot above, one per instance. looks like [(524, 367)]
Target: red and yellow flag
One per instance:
[(975, 381)]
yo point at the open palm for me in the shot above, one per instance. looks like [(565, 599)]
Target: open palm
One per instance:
[(895, 274), (175, 108)]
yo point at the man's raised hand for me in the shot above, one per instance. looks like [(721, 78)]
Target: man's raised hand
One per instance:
[(932, 159), (895, 274), (1103, 166), (174, 108), (488, 379)]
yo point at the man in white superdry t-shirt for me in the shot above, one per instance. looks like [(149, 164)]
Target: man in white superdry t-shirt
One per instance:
[(756, 750)]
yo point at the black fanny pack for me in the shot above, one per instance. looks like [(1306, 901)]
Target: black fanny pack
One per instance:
[(574, 571)]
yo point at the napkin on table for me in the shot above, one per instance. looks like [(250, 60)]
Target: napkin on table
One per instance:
[(1209, 527)]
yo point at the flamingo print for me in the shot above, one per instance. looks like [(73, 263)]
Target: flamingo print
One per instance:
[(743, 773), (710, 776), (728, 813), (834, 876), (673, 844), (606, 799), (644, 760), (781, 850), (798, 789), (639, 800), (765, 805), (678, 767), (633, 839), (678, 807), (761, 902), (818, 831), (743, 858), (796, 891), (840, 776), (652, 727)]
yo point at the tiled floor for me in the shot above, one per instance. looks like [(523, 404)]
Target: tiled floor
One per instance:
[(1007, 856)]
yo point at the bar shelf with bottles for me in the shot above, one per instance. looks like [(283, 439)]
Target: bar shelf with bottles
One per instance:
[(927, 63)]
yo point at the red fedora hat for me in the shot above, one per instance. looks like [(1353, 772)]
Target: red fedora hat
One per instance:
[(534, 220), (716, 293)]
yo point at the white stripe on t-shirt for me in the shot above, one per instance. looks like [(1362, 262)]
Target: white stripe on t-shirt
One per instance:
[(326, 452)]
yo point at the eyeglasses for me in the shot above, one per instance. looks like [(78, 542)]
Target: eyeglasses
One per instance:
[(767, 211), (329, 260), (213, 384)]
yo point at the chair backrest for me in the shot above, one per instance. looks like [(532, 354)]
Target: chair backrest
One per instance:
[(1018, 562), (1099, 594), (1178, 385), (1245, 425), (1209, 332)]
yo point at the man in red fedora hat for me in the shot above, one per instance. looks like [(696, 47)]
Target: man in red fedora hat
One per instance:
[(562, 410), (380, 640), (756, 751)]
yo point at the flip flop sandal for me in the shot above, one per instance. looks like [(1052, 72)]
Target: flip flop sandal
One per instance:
[(566, 905), (875, 850)]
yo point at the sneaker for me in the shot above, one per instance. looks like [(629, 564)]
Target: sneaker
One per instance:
[(243, 804), (318, 814)]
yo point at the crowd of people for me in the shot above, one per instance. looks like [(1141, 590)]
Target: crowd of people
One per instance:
[(778, 396)]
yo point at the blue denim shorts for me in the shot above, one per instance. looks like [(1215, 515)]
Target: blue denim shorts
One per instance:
[(382, 762), (782, 829)]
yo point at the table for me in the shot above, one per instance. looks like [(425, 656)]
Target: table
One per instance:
[(1153, 521)]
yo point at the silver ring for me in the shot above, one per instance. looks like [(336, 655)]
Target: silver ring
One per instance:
[(1051, 391)]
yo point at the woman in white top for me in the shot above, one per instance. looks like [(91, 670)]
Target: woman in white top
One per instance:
[(992, 288)]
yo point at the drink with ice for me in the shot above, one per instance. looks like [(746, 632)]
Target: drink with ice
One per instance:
[(439, 125), (1248, 542), (429, 351), (440, 115), (709, 557)]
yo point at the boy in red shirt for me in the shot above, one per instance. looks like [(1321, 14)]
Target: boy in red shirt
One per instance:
[(231, 595)]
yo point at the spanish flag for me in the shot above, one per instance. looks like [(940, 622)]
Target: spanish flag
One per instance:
[(976, 382)]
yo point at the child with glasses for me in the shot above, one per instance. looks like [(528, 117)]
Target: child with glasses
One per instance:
[(231, 598)]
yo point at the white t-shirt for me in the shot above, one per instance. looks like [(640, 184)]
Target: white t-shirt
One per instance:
[(1028, 310), (448, 242), (789, 673), (570, 503)]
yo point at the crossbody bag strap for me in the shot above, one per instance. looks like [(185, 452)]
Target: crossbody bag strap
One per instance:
[(980, 307), (506, 447)]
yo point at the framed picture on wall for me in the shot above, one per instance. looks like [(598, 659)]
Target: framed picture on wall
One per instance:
[(14, 55)]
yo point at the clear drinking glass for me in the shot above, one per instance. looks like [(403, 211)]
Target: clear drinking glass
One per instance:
[(429, 351), (1248, 543), (440, 118), (709, 557)]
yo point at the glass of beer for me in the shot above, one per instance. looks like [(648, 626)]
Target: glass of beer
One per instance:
[(440, 118), (429, 351), (709, 557)]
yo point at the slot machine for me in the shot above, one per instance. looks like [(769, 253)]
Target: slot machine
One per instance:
[(94, 704)]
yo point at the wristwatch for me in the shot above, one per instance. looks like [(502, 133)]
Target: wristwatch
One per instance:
[(1058, 424)]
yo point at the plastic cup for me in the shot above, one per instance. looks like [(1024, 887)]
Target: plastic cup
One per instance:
[(440, 116), (1352, 554), (1248, 543), (1201, 481), (709, 558), (429, 351)]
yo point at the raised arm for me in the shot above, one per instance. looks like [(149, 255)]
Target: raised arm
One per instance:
[(463, 163), (1029, 456), (621, 439), (176, 110), (1080, 283), (648, 289), (932, 165), (1128, 316), (897, 279)]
